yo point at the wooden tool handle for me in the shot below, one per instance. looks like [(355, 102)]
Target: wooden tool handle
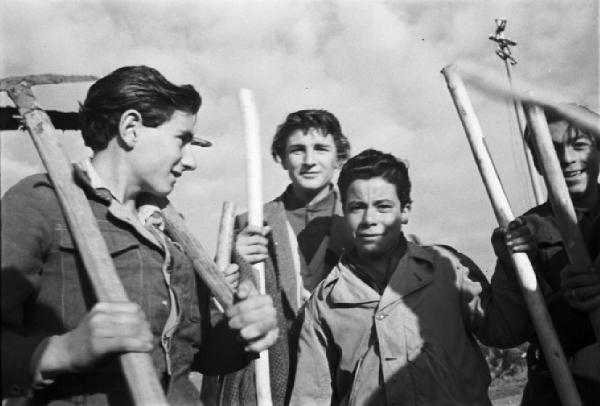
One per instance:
[(138, 368), (225, 238), (255, 218), (527, 280)]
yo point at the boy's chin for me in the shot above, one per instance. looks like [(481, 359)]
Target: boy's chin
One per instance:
[(370, 251)]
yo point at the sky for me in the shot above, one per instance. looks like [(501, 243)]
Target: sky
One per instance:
[(375, 65)]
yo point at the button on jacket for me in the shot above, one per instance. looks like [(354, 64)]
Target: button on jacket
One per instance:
[(411, 345), (45, 291)]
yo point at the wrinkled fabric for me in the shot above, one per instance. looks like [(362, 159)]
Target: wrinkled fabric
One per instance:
[(411, 345), (45, 291)]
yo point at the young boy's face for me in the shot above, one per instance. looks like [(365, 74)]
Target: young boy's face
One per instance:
[(375, 216), (579, 158), (310, 159), (160, 155)]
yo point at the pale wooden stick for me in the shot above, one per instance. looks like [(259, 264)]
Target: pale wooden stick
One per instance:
[(138, 368), (225, 238), (487, 81), (255, 218), (559, 197), (527, 280), (225, 241)]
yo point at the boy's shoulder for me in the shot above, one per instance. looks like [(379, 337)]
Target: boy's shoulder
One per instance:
[(442, 253), (37, 185)]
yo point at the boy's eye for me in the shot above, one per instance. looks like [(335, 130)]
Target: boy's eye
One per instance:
[(581, 144), (185, 138), (355, 207)]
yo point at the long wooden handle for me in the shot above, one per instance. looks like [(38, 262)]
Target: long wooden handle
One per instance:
[(225, 237), (204, 266), (138, 368), (558, 193), (527, 280), (255, 218)]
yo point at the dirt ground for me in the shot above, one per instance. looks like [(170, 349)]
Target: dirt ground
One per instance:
[(507, 391)]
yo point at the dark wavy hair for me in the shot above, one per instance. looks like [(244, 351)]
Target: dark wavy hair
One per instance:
[(552, 117), (371, 163), (304, 120), (139, 88)]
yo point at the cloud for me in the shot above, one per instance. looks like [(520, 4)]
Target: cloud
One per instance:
[(374, 64)]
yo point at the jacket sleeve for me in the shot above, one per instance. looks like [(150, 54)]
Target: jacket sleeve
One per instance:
[(313, 381), (496, 311), (26, 238)]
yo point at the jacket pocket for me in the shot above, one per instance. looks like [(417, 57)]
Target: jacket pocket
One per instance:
[(77, 294)]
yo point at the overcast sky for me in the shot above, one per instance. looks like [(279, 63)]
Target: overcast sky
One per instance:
[(375, 65)]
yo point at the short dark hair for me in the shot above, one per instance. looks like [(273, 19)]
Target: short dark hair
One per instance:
[(132, 87), (553, 117), (371, 164), (304, 120)]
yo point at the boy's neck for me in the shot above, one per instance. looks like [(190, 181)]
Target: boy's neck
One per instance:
[(113, 176), (310, 197)]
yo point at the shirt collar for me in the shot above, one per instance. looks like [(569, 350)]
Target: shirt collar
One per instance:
[(87, 174)]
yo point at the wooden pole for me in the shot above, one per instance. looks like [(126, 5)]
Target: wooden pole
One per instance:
[(255, 218), (558, 193), (204, 266), (225, 241), (553, 352), (141, 377), (225, 238)]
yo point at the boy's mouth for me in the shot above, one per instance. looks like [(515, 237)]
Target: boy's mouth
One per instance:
[(572, 174)]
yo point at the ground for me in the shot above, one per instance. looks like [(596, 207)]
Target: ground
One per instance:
[(509, 374)]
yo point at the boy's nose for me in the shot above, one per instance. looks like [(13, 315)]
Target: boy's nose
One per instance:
[(187, 160), (309, 158)]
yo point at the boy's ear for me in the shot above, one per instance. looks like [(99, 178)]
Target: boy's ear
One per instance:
[(129, 124), (282, 163), (404, 212)]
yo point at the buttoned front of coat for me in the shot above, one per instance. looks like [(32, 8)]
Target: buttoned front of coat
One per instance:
[(411, 345)]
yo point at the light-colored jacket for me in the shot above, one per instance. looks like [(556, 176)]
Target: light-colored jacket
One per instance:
[(412, 345)]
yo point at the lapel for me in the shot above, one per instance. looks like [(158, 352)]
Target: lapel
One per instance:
[(413, 272), (274, 214), (349, 289)]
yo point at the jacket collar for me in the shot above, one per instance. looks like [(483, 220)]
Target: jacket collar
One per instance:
[(414, 271), (89, 180)]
